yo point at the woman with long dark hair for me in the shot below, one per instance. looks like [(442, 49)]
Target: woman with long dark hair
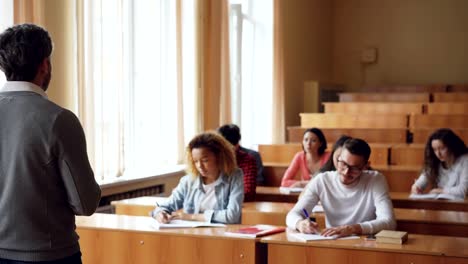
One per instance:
[(308, 161), (445, 165)]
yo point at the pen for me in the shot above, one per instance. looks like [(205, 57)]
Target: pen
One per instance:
[(306, 214)]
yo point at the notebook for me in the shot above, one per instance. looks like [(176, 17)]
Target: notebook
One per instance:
[(256, 231), (184, 224), (437, 196)]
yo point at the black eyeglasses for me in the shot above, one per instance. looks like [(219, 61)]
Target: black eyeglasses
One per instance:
[(355, 170)]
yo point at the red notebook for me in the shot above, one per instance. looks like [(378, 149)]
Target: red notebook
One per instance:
[(256, 231)]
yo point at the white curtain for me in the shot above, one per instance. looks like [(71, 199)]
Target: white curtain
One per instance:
[(6, 21), (131, 83), (252, 84)]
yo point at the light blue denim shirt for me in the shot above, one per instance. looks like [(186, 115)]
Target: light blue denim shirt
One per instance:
[(229, 191)]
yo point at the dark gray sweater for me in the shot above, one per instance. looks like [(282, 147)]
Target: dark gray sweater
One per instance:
[(45, 178)]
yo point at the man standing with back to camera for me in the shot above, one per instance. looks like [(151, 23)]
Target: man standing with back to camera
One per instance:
[(45, 175)]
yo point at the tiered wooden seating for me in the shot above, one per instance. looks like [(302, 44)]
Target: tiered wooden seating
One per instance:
[(322, 120), (450, 97), (438, 121), (374, 108), (371, 135), (384, 97), (420, 135), (428, 88), (407, 154), (399, 177), (452, 108), (284, 153)]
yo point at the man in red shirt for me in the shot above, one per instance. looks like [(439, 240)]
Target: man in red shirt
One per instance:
[(245, 161)]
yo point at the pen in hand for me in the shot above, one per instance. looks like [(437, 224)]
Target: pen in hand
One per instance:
[(309, 226)]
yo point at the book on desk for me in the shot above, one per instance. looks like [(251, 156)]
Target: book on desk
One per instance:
[(256, 231), (391, 237)]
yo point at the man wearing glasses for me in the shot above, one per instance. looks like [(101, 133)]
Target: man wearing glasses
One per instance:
[(355, 200)]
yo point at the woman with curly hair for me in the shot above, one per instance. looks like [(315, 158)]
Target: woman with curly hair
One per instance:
[(445, 165), (213, 190)]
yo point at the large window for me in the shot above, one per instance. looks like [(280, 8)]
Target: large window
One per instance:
[(134, 87), (251, 41), (139, 110)]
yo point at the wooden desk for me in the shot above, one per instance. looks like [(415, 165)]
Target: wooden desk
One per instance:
[(120, 239), (399, 178), (384, 97), (418, 249), (438, 120), (402, 200), (373, 108), (419, 221), (284, 153), (421, 135), (450, 108), (407, 155), (450, 97), (399, 200), (371, 135), (140, 206), (324, 120), (432, 222)]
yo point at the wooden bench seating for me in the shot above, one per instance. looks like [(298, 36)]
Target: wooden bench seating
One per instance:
[(449, 108), (399, 178), (326, 120), (371, 135), (450, 97), (374, 108), (438, 120), (421, 135), (284, 153), (407, 155), (384, 97)]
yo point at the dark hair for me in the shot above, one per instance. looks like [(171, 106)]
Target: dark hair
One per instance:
[(22, 49), (329, 165), (454, 144), (231, 133), (320, 136), (357, 146), (219, 146)]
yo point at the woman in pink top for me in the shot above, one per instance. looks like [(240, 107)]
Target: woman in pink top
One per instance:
[(308, 161)]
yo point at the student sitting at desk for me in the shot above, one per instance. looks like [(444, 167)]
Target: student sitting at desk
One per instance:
[(214, 189), (309, 161), (245, 161), (355, 200), (445, 165)]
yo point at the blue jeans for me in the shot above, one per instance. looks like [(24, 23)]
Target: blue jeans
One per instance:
[(74, 259)]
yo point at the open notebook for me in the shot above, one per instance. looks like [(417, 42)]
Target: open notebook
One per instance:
[(439, 196), (315, 237), (183, 224)]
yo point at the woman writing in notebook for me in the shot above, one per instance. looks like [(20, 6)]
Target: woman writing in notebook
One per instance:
[(309, 161), (445, 165), (213, 190)]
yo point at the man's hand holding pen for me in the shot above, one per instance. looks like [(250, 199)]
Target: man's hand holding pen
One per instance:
[(307, 225)]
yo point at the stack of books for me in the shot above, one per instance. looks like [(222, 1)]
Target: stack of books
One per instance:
[(391, 237)]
